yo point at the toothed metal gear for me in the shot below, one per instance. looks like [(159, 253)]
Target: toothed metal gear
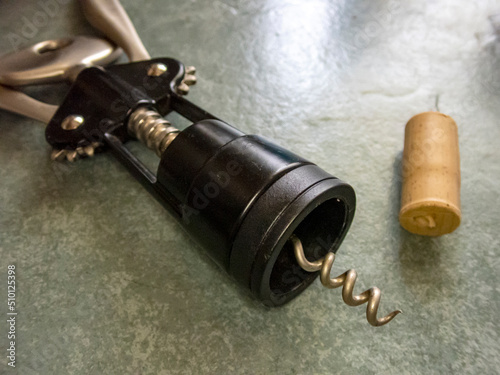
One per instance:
[(188, 80), (72, 155)]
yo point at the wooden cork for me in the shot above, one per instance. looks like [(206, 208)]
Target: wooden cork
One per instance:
[(430, 198)]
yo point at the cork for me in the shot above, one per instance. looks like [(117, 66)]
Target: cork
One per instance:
[(430, 197)]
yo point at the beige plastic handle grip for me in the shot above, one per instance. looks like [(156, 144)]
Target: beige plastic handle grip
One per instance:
[(109, 17)]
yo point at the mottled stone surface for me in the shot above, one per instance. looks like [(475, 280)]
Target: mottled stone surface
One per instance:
[(109, 284)]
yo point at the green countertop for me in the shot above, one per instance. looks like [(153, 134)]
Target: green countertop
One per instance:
[(107, 283)]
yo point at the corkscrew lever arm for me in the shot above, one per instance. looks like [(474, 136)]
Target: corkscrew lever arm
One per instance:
[(110, 18)]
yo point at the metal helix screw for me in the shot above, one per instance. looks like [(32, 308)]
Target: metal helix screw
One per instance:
[(151, 129), (347, 280)]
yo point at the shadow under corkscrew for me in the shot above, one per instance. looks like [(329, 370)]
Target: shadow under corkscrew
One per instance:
[(347, 280)]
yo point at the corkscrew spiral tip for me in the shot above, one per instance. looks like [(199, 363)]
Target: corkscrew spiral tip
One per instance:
[(347, 280)]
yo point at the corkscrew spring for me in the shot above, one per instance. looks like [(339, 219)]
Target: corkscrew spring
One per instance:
[(347, 280)]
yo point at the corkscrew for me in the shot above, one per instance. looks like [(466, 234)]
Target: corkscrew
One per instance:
[(257, 208), (347, 280)]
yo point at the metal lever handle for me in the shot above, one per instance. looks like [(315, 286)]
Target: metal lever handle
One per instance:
[(55, 60), (18, 102), (110, 18), (46, 62)]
